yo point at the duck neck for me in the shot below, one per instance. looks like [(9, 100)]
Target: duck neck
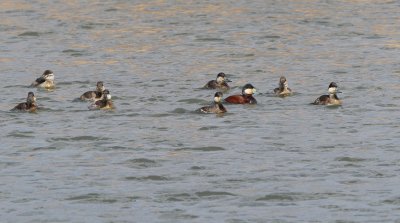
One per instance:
[(333, 96), (247, 95)]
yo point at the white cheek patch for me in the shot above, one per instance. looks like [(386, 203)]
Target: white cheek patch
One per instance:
[(109, 96), (249, 91), (332, 90), (220, 79), (50, 77), (217, 99)]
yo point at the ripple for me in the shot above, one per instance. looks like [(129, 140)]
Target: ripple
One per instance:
[(194, 101), (393, 201), (142, 163), (177, 214), (7, 164), (387, 105), (273, 37), (151, 177), (297, 196), (197, 168), (90, 25), (75, 53), (79, 138), (213, 193), (203, 149), (93, 198), (179, 111), (209, 39), (111, 10), (349, 159), (375, 36), (241, 55), (45, 148), (338, 71), (350, 182), (181, 197), (276, 197), (74, 82), (206, 128), (17, 86), (21, 134), (30, 33), (160, 115)]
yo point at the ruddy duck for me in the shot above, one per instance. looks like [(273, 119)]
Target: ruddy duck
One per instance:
[(283, 90), (246, 98), (219, 83), (94, 95), (331, 99), (104, 103), (45, 81), (216, 107), (29, 105)]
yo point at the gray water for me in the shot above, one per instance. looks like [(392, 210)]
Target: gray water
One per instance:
[(153, 159)]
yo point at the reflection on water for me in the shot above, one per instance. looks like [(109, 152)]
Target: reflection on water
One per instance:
[(153, 159)]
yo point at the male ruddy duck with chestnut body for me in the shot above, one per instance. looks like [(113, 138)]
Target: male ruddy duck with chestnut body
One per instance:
[(245, 98), (45, 81), (219, 83), (216, 107), (29, 105), (331, 99), (94, 95), (283, 90)]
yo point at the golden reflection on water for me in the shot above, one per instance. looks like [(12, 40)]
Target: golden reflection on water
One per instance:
[(393, 44), (14, 5), (139, 28)]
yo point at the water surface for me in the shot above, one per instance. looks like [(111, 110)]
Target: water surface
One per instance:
[(153, 159)]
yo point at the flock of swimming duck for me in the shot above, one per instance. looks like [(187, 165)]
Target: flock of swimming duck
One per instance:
[(248, 90), (101, 97)]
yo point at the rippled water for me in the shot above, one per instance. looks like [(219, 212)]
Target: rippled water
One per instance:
[(153, 159)]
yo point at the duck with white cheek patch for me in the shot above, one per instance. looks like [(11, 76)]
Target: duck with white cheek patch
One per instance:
[(94, 95), (219, 83), (104, 103), (245, 98), (331, 99), (29, 105), (216, 106), (45, 81)]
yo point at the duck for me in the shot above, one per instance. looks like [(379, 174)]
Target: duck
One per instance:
[(29, 105), (104, 103), (94, 95), (219, 83), (283, 90), (331, 99), (216, 107), (245, 98), (45, 81)]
